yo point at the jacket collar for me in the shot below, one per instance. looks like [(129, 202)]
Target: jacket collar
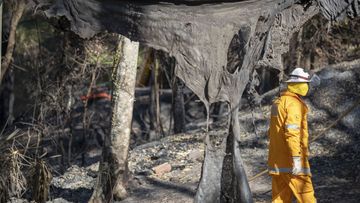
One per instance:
[(288, 93)]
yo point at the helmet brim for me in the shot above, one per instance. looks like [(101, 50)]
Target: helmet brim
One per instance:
[(297, 80)]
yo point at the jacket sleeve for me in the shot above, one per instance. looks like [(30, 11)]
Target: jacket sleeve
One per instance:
[(292, 128)]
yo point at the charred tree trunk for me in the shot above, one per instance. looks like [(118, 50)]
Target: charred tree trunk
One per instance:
[(113, 169), (178, 106)]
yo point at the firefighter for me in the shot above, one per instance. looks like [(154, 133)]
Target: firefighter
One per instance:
[(288, 149)]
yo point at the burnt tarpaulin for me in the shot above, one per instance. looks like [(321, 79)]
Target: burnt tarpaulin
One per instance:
[(200, 34)]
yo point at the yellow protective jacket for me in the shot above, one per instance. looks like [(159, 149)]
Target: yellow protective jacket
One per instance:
[(288, 134)]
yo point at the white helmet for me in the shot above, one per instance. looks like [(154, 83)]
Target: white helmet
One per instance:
[(299, 75)]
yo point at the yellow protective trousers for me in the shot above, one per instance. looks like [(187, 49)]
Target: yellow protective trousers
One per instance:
[(286, 186)]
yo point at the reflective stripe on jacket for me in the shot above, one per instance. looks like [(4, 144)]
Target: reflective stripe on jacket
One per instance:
[(288, 134)]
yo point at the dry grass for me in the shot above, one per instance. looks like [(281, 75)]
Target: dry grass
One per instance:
[(40, 183), (12, 179), (21, 168)]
